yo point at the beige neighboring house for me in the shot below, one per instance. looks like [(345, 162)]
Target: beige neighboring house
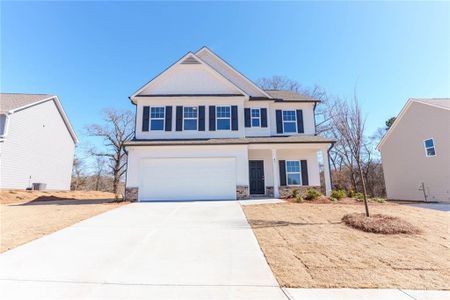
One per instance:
[(37, 142), (416, 152)]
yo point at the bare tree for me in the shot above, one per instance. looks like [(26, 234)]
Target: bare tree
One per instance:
[(348, 126), (100, 163), (117, 129), (277, 82), (78, 178)]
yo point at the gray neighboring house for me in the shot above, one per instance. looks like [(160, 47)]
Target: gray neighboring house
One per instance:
[(37, 142), (416, 152)]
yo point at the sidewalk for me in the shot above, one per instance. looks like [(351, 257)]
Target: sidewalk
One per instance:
[(365, 294)]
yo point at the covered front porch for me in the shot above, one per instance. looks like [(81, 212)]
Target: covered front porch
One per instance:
[(276, 170)]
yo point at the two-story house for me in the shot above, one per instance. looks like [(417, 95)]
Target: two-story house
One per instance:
[(205, 131), (37, 142)]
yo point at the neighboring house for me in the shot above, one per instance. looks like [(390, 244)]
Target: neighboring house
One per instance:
[(205, 131), (37, 142), (416, 152)]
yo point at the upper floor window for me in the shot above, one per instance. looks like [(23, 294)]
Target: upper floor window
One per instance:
[(156, 118), (190, 115), (289, 121), (293, 172), (223, 116), (429, 147), (256, 117)]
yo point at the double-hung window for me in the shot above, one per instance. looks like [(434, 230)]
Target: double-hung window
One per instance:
[(293, 172), (156, 118), (190, 115), (429, 147), (289, 121), (223, 117), (256, 117)]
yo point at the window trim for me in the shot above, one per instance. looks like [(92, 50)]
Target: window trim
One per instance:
[(222, 118), (5, 127), (151, 118), (426, 148), (256, 118), (190, 118), (294, 121), (299, 172)]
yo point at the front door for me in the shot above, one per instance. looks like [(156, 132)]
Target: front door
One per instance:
[(256, 171)]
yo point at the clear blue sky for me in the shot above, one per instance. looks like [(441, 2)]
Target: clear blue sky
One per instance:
[(95, 55)]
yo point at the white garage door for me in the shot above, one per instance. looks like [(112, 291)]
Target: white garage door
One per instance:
[(187, 179)]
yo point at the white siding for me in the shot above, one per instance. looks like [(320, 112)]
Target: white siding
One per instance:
[(190, 101), (190, 79), (405, 164), (37, 148), (308, 116)]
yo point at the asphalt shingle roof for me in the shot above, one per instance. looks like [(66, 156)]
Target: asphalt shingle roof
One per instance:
[(10, 101)]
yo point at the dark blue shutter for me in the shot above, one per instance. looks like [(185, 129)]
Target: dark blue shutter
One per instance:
[(212, 118), (282, 164), (145, 118), (168, 121), (247, 117), (179, 119), (234, 118), (279, 118), (201, 118), (263, 117), (300, 121), (304, 169)]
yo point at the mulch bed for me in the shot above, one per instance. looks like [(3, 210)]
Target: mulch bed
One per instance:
[(379, 223)]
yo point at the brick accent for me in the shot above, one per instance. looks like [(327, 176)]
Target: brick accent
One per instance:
[(131, 193), (286, 191), (269, 191), (242, 192)]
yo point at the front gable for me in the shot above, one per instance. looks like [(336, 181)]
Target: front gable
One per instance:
[(189, 76)]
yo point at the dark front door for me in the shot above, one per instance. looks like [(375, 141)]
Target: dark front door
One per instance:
[(256, 170)]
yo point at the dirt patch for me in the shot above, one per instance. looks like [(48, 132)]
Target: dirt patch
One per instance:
[(28, 215), (21, 196), (308, 246), (379, 223)]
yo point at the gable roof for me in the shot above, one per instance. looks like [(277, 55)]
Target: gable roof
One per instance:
[(441, 103), (224, 68), (13, 102), (188, 59)]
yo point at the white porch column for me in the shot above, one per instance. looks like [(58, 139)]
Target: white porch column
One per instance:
[(326, 171), (276, 174)]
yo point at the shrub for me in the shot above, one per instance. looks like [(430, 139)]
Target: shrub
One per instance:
[(379, 224), (379, 200), (298, 199), (359, 196), (311, 194), (350, 193), (338, 194), (295, 193)]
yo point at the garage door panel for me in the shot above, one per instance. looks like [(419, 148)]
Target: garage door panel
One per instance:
[(187, 179)]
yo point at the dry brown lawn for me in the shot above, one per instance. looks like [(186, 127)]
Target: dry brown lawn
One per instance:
[(308, 246), (28, 215)]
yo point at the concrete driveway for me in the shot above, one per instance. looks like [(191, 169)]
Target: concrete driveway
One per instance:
[(182, 250)]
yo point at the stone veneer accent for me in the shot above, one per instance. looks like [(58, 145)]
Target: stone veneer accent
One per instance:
[(269, 191), (242, 192), (286, 191), (131, 193)]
